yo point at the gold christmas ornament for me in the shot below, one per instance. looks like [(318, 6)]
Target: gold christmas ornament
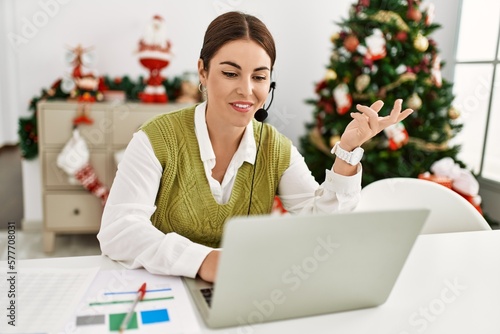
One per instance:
[(414, 102), (421, 43), (453, 113), (330, 75), (334, 139), (362, 81), (334, 37)]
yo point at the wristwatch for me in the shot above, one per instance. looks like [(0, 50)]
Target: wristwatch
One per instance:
[(352, 158)]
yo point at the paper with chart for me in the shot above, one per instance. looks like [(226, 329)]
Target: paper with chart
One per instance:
[(164, 309), (46, 297)]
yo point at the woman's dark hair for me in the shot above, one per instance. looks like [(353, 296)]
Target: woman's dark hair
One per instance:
[(234, 26)]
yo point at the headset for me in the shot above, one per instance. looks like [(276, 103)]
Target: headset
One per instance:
[(260, 115)]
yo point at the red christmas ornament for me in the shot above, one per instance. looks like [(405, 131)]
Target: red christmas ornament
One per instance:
[(326, 105), (321, 85), (368, 62), (402, 36), (351, 43), (413, 13)]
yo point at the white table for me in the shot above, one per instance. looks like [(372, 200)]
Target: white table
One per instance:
[(449, 285)]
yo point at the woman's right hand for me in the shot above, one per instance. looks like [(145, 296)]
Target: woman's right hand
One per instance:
[(208, 268)]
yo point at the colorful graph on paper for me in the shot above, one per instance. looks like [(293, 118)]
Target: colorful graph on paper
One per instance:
[(164, 309)]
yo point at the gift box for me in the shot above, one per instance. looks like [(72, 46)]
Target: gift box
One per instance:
[(445, 181), (448, 183)]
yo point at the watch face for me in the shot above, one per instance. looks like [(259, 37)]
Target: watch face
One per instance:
[(357, 154), (352, 158)]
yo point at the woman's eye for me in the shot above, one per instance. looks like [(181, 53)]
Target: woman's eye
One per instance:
[(229, 74), (260, 78)]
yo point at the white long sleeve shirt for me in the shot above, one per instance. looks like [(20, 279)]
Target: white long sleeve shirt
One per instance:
[(127, 234)]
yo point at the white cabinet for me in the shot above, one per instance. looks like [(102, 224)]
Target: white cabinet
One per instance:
[(69, 208)]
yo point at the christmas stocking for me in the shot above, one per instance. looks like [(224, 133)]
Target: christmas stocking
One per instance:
[(74, 160)]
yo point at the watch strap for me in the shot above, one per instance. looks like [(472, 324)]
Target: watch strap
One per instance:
[(346, 155)]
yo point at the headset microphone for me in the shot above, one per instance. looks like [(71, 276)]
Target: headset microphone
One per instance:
[(261, 114)]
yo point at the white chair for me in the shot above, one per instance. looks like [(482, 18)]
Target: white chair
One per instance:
[(450, 212)]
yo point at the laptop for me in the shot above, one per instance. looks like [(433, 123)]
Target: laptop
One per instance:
[(282, 267)]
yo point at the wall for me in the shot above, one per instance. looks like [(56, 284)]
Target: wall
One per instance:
[(113, 27), (9, 112)]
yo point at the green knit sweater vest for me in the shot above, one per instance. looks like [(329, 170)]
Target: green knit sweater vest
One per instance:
[(184, 203)]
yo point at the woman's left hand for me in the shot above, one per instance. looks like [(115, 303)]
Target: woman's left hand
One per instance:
[(367, 123)]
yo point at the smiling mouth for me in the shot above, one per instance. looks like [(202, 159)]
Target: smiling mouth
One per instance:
[(241, 107)]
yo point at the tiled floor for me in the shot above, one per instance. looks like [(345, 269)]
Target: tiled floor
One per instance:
[(29, 245)]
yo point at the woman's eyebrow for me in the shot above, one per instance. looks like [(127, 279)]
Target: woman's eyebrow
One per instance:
[(239, 67)]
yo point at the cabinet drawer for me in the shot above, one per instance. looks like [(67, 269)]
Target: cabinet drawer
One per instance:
[(55, 177), (57, 127), (126, 123), (128, 118), (72, 212)]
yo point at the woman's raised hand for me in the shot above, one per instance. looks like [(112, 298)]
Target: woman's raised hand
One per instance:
[(367, 123)]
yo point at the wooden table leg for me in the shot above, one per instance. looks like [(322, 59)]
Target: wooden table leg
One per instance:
[(49, 239)]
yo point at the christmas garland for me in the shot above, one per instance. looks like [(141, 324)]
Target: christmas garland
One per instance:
[(28, 132)]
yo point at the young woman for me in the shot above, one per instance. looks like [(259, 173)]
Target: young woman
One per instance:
[(185, 173)]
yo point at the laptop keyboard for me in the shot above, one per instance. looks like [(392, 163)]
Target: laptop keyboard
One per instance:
[(207, 294)]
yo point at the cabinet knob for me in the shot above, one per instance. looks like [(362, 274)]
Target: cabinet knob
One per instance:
[(76, 212)]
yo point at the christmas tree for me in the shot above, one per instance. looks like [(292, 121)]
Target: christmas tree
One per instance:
[(384, 52)]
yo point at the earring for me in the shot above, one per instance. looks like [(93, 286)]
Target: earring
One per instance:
[(203, 91)]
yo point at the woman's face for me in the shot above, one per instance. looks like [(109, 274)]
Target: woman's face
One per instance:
[(237, 82)]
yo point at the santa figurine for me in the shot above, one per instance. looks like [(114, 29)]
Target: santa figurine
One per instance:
[(154, 54), (87, 92), (376, 45), (342, 98), (397, 136)]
